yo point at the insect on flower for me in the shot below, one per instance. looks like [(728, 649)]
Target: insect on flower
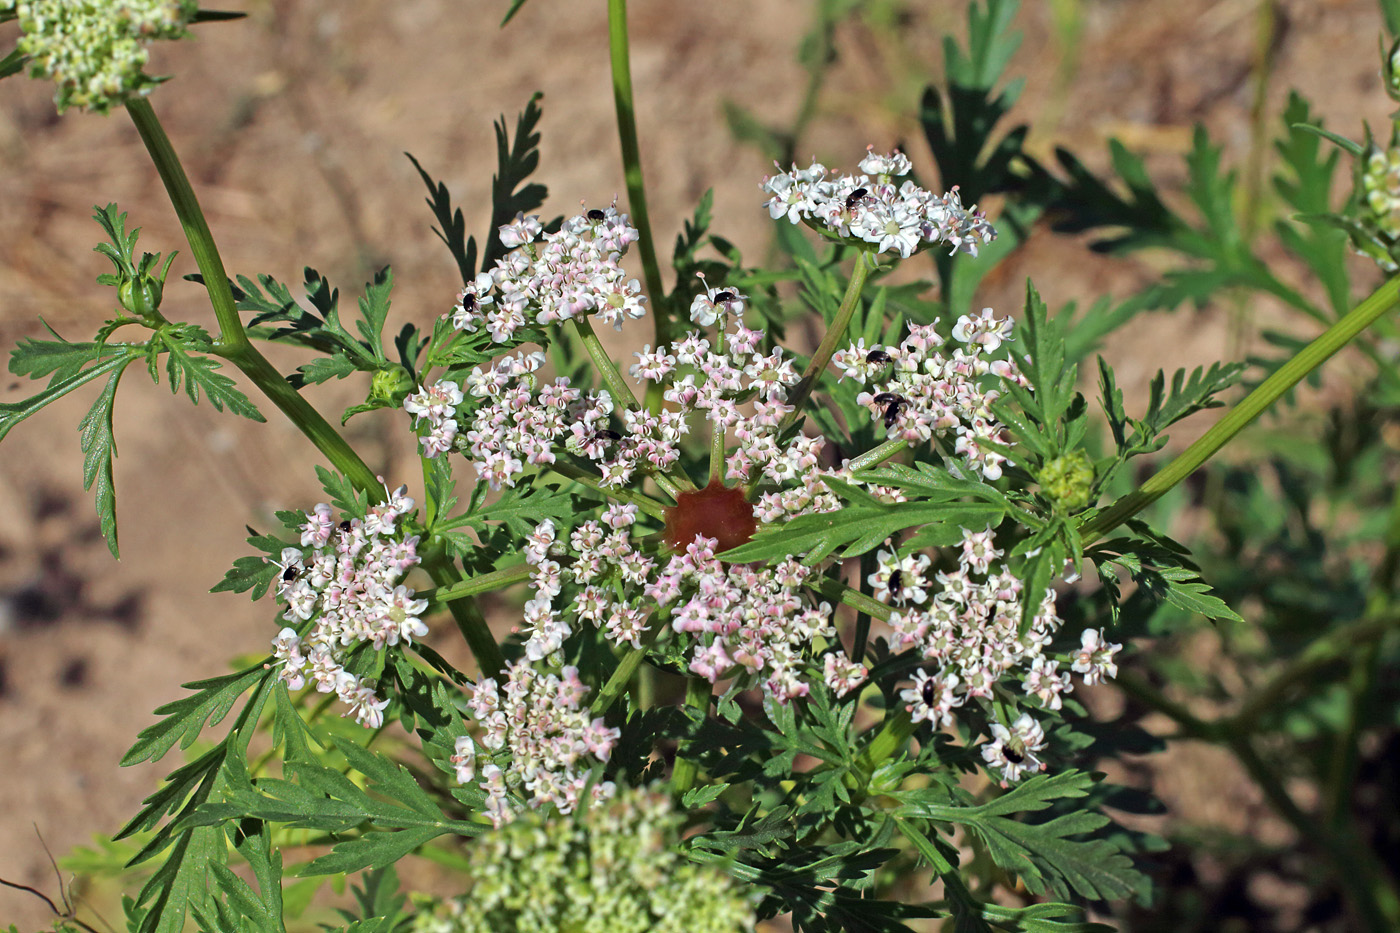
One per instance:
[(855, 197), (878, 356), (893, 405)]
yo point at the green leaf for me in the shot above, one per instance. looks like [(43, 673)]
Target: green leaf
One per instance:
[(185, 718), (99, 447), (865, 523), (12, 413), (318, 797), (516, 162), (254, 573), (343, 494), (1047, 856), (14, 62), (452, 226), (181, 883), (202, 372), (39, 358)]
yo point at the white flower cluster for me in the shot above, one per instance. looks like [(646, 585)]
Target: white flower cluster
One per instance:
[(537, 724), (520, 421), (918, 392), (549, 277), (749, 622), (616, 869), (966, 622), (900, 219), (94, 50), (350, 585)]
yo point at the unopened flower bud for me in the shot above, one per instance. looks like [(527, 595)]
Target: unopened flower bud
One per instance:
[(1068, 480)]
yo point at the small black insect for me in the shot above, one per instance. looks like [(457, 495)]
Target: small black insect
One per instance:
[(469, 303), (1013, 756), (605, 434), (930, 686), (854, 198), (724, 296), (878, 356), (596, 215), (896, 581), (291, 572), (893, 405), (345, 527)]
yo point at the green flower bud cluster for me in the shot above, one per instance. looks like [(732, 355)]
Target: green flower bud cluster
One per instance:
[(618, 869), (1375, 231), (94, 50), (1067, 481)]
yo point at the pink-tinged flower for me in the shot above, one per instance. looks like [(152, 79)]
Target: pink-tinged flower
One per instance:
[(901, 219), (540, 738), (1095, 657), (1012, 751)]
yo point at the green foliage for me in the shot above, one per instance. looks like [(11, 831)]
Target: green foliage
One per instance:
[(865, 522), (1047, 856), (399, 818)]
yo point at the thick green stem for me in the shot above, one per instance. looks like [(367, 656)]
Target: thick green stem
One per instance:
[(697, 697), (465, 612), (1249, 408), (827, 348), (475, 586), (642, 501), (623, 397), (233, 342), (632, 165), (878, 455)]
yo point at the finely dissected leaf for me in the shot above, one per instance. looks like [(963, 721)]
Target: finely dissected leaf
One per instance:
[(344, 496), (521, 509), (39, 358), (452, 226), (865, 523), (319, 327), (1161, 568), (99, 447), (12, 413), (202, 372), (1046, 855), (181, 883), (321, 798), (185, 718), (515, 162)]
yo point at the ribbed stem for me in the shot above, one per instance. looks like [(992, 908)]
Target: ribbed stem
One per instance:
[(1249, 408), (233, 343), (620, 56)]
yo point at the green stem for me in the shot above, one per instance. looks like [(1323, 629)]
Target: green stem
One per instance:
[(834, 335), (1249, 408), (465, 612), (642, 501), (625, 669), (835, 589), (878, 455), (1350, 864), (1327, 650), (484, 583), (623, 397), (697, 697), (233, 340), (1365, 668), (632, 165)]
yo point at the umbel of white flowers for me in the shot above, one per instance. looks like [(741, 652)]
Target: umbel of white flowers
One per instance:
[(95, 50), (618, 869)]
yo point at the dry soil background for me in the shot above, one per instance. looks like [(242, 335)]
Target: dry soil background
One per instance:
[(292, 124)]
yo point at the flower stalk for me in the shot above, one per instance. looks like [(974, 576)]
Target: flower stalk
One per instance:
[(1250, 407), (233, 344)]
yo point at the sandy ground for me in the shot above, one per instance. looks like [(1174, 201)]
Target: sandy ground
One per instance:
[(292, 125)]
